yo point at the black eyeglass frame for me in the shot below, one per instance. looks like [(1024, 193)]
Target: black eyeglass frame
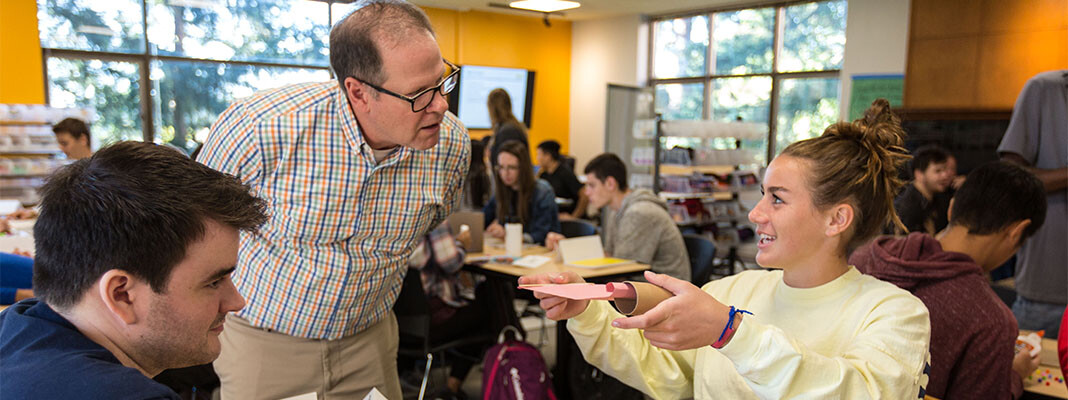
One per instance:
[(440, 88)]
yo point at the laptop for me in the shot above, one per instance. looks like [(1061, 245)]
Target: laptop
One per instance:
[(473, 220)]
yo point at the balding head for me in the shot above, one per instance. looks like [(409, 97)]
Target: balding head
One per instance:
[(357, 40)]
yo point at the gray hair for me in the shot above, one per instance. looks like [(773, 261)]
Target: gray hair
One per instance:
[(353, 48)]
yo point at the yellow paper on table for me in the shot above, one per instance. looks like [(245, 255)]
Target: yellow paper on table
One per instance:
[(599, 262)]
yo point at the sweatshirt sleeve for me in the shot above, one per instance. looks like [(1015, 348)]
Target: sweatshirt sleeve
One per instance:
[(985, 369), (635, 235), (626, 355), (887, 358)]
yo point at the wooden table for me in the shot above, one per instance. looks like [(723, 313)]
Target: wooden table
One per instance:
[(509, 274), (556, 265), (1049, 371)]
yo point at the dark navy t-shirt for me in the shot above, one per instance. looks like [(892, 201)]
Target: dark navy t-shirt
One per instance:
[(43, 356)]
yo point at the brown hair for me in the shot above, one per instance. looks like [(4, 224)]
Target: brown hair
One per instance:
[(73, 126), (506, 194), (355, 39), (857, 163), (500, 109), (135, 206)]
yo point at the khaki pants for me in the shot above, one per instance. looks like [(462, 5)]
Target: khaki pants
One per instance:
[(258, 363)]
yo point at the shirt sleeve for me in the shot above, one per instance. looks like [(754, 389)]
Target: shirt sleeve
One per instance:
[(985, 368), (627, 356), (1021, 137), (489, 211), (881, 361), (544, 216), (231, 146), (633, 237), (454, 194), (573, 184)]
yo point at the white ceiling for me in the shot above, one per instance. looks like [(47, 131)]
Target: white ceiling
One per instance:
[(591, 9)]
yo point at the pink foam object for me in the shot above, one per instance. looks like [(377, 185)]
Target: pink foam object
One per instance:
[(585, 291)]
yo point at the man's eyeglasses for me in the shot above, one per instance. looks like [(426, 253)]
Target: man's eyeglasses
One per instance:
[(420, 101)]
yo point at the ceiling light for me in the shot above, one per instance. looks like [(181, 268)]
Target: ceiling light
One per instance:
[(546, 6)]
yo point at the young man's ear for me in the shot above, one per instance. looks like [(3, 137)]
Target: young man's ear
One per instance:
[(1016, 229), (610, 183), (841, 216), (118, 291)]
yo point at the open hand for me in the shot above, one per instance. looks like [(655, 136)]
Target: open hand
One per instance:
[(689, 320), (495, 230), (552, 239), (557, 308)]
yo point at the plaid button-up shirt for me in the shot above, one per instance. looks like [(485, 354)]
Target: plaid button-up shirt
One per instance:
[(331, 259)]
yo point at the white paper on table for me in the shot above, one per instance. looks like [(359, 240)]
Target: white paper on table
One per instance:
[(580, 248), (531, 261)]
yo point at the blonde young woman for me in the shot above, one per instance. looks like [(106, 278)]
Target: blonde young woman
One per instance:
[(817, 328)]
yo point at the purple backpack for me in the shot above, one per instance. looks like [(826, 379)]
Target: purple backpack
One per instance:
[(514, 370)]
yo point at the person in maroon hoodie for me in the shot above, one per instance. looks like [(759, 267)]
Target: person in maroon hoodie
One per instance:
[(973, 333)]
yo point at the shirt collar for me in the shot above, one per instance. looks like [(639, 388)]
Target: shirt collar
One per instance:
[(351, 129)]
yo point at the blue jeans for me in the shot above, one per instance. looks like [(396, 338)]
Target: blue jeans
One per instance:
[(1033, 315)]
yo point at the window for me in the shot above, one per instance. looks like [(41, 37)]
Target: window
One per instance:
[(776, 65), (163, 70)]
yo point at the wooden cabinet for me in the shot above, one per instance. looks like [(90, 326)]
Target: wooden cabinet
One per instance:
[(977, 54)]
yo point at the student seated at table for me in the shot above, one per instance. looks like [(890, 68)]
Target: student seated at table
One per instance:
[(520, 198), (636, 222), (135, 246), (922, 205), (973, 332), (814, 327), (458, 305), (560, 176)]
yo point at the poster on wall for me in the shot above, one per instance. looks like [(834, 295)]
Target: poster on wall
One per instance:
[(867, 88)]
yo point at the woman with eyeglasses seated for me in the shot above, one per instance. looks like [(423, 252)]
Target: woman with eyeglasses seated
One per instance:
[(520, 198)]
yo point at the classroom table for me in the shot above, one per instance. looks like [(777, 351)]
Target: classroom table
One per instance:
[(509, 274), (1052, 384)]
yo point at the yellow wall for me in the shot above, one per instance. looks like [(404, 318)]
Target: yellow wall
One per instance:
[(21, 73), (500, 40)]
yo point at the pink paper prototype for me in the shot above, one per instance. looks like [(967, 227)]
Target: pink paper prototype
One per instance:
[(584, 291)]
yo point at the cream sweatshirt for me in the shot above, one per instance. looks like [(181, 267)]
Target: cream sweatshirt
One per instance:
[(854, 337)]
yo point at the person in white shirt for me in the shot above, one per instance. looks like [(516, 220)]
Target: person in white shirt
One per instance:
[(813, 326)]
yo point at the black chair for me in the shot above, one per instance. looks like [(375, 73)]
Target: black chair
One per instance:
[(576, 228), (702, 254), (413, 322)]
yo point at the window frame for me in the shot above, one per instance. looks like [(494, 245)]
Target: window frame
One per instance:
[(708, 79), (144, 60)]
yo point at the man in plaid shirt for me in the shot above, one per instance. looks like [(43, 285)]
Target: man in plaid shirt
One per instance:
[(354, 174)]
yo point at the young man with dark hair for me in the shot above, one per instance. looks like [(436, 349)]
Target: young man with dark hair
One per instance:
[(918, 205), (135, 246), (72, 134), (636, 222), (972, 331), (563, 180)]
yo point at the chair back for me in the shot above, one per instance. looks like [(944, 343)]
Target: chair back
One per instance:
[(577, 228), (413, 312), (702, 254)]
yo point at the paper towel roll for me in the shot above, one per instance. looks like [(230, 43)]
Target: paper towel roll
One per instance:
[(647, 296)]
